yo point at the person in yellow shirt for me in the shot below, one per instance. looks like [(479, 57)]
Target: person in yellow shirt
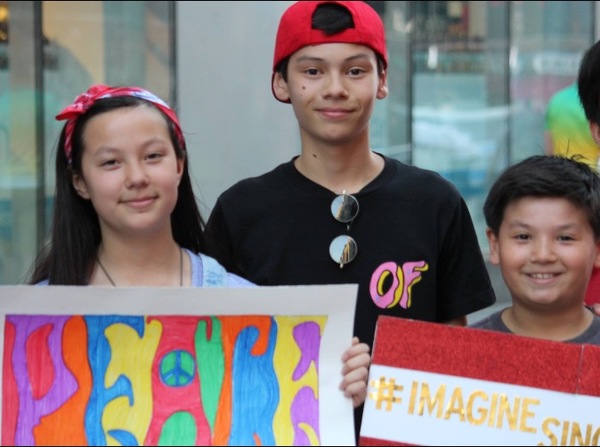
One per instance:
[(568, 129)]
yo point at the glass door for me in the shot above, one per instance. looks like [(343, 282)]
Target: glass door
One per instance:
[(20, 127), (50, 52)]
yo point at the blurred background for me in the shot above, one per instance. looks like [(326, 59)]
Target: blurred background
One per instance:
[(469, 84)]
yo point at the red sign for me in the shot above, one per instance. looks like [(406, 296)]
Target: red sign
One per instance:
[(434, 384)]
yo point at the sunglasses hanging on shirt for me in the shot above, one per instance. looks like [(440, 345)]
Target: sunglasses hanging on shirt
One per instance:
[(343, 248)]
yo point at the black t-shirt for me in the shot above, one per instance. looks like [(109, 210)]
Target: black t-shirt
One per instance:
[(418, 254)]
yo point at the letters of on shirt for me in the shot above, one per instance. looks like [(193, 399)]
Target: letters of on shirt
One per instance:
[(403, 278)]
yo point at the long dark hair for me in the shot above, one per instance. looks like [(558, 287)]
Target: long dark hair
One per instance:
[(70, 253)]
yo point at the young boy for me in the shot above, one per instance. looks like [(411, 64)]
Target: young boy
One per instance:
[(543, 217), (339, 212)]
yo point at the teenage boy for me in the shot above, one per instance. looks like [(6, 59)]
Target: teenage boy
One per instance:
[(405, 234), (543, 218), (340, 212)]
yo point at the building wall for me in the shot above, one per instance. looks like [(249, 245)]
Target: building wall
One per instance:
[(234, 126)]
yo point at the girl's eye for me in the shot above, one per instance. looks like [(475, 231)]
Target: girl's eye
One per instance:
[(109, 163), (522, 237), (155, 156), (312, 71)]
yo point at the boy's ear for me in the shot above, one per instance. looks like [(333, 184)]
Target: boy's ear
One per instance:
[(595, 130), (80, 186), (493, 243), (280, 88), (382, 88)]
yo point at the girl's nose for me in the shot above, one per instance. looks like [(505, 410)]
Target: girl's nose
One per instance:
[(136, 175)]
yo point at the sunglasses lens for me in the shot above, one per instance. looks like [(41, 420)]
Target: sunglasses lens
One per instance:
[(344, 208), (343, 249)]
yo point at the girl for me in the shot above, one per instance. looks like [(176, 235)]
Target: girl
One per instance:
[(125, 212)]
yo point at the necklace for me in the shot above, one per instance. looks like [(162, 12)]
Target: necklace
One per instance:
[(180, 269)]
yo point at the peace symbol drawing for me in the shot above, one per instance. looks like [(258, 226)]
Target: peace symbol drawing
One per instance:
[(177, 368)]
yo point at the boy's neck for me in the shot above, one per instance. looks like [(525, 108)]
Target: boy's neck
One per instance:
[(558, 326), (340, 169)]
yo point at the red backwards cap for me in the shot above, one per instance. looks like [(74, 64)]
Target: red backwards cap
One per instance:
[(295, 30)]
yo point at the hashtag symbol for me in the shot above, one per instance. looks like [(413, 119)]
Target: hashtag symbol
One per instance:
[(385, 393)]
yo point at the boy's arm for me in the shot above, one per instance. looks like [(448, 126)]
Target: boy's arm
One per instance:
[(462, 321)]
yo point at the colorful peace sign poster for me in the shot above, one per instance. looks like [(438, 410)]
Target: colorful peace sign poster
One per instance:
[(185, 366)]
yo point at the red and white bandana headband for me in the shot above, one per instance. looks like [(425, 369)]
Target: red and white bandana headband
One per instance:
[(99, 91)]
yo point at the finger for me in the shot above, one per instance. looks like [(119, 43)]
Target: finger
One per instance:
[(361, 360), (354, 350), (357, 391), (354, 376)]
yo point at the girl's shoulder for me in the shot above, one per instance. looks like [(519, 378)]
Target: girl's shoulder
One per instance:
[(208, 272)]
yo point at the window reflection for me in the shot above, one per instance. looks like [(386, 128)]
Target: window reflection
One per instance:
[(477, 93), (460, 102), (80, 43)]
